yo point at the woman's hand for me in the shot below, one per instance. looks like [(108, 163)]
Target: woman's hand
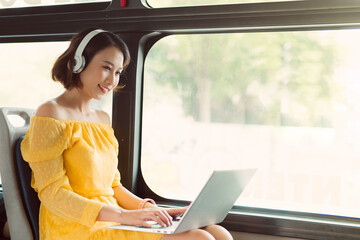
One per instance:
[(142, 216), (135, 217), (176, 212), (173, 212)]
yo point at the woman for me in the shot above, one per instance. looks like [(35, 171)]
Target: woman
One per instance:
[(72, 151)]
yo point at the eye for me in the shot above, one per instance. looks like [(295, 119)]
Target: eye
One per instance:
[(107, 68)]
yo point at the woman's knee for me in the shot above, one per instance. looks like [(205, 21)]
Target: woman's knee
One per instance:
[(197, 234), (218, 232), (201, 234)]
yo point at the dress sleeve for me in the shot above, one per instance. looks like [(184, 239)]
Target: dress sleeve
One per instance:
[(114, 142), (43, 147), (116, 181)]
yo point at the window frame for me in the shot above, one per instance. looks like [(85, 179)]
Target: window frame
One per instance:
[(141, 27), (78, 7), (209, 4), (278, 16)]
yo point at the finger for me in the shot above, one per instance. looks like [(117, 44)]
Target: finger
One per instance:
[(176, 211), (168, 216), (151, 219), (163, 217), (146, 224), (157, 215)]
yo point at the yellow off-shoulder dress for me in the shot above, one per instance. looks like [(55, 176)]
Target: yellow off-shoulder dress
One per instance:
[(74, 168)]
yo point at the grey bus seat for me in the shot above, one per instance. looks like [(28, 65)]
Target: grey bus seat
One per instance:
[(21, 201), (28, 195)]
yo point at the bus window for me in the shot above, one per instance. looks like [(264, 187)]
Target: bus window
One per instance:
[(285, 103), (5, 4), (173, 3), (26, 75)]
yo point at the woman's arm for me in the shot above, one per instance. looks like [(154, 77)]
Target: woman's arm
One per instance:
[(129, 214), (130, 201), (127, 199), (134, 217)]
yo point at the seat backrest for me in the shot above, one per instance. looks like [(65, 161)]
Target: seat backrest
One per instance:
[(16, 198), (29, 197)]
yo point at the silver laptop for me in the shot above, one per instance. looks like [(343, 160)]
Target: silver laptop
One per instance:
[(211, 205)]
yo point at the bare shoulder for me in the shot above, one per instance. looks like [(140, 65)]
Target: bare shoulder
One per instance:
[(49, 109), (103, 117)]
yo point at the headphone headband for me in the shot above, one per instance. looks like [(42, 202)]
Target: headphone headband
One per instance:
[(78, 57)]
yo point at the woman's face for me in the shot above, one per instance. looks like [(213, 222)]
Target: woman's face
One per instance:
[(103, 73)]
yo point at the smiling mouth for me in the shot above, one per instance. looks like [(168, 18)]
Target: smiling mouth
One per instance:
[(103, 89)]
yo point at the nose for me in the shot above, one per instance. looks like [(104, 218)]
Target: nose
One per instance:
[(112, 79)]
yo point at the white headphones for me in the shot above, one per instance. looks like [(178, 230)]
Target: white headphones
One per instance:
[(78, 57)]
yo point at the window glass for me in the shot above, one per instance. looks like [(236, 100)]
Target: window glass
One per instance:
[(26, 75), (42, 3), (174, 3), (284, 103)]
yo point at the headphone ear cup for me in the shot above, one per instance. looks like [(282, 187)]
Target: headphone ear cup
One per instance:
[(79, 64), (79, 60)]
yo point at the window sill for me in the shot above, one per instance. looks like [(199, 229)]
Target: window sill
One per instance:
[(290, 224)]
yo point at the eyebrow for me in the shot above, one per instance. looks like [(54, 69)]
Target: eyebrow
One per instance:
[(108, 62)]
